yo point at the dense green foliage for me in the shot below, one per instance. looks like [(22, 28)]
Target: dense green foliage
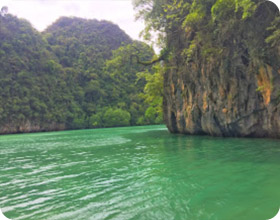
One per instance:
[(76, 74), (153, 93), (32, 84), (212, 26), (208, 20)]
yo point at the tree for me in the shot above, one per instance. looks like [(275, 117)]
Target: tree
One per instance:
[(4, 11), (116, 117), (153, 93)]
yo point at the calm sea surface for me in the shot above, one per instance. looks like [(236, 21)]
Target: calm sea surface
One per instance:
[(138, 173)]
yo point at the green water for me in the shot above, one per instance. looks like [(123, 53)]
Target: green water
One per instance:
[(138, 173)]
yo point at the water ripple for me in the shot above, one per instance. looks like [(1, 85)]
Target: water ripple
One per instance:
[(137, 173)]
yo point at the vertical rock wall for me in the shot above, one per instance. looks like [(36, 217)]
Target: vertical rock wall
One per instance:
[(224, 96)]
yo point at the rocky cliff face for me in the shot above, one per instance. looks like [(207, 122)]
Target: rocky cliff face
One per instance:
[(235, 93)]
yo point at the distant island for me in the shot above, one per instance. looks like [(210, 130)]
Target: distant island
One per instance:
[(76, 74)]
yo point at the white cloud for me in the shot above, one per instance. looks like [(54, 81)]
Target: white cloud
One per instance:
[(42, 13)]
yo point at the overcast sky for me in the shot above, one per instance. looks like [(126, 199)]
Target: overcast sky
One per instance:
[(42, 13)]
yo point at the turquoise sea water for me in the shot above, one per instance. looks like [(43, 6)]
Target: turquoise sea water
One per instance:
[(138, 173)]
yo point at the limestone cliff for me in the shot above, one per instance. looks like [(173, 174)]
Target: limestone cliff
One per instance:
[(235, 92)]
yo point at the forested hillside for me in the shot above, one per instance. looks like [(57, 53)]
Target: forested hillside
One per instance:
[(76, 74), (221, 65)]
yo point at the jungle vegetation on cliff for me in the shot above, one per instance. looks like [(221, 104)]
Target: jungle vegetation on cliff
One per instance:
[(221, 75)]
